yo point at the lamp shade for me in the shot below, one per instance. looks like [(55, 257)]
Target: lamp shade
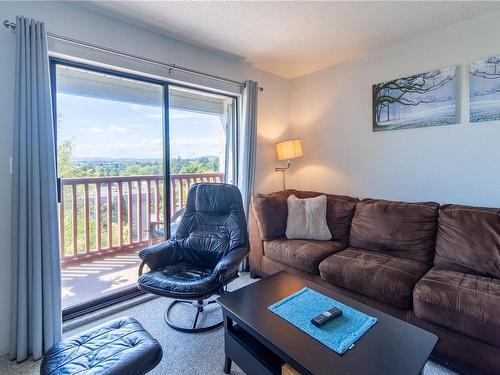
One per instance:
[(290, 149)]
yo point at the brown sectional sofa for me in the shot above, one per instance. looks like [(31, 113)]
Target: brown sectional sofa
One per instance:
[(437, 267)]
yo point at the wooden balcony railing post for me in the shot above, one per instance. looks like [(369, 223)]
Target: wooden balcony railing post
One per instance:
[(172, 197), (181, 193), (98, 216), (120, 214), (74, 209), (130, 211), (157, 200), (61, 222), (86, 216), (148, 206), (110, 215), (139, 210)]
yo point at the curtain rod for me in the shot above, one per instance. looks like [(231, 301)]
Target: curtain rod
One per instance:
[(12, 26)]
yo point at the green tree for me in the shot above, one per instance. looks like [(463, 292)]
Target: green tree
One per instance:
[(66, 168), (194, 167), (144, 170), (198, 165), (64, 154)]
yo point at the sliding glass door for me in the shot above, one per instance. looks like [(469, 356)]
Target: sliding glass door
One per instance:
[(200, 125), (115, 133), (110, 161)]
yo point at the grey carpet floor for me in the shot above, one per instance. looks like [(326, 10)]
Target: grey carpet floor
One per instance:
[(183, 353)]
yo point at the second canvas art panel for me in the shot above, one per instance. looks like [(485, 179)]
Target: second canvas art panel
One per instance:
[(417, 101), (484, 89)]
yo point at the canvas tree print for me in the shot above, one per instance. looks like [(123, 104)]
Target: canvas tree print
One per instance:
[(484, 90), (420, 100)]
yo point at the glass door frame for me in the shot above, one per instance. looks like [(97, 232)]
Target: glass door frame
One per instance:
[(132, 291)]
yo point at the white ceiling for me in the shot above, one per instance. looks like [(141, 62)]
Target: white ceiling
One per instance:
[(294, 38)]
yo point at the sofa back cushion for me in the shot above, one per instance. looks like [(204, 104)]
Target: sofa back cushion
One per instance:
[(468, 240), (405, 230), (339, 212), (271, 212)]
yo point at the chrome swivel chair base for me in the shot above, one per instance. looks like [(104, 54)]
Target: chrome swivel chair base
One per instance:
[(200, 307)]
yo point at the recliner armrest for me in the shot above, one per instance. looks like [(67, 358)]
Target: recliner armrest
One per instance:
[(160, 255), (231, 261)]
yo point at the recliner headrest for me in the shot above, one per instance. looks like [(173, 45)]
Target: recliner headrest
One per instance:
[(215, 198), (213, 207)]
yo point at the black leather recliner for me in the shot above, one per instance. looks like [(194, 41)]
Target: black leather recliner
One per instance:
[(204, 254)]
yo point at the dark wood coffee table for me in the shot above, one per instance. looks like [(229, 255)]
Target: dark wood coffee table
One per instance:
[(260, 342)]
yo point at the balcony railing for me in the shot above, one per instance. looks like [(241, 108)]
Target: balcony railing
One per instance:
[(100, 215)]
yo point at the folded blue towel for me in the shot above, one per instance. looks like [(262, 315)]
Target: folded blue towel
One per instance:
[(338, 334)]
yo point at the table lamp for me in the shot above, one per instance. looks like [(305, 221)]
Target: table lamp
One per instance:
[(288, 150)]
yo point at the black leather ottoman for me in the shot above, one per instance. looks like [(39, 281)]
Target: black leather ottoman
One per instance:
[(121, 346)]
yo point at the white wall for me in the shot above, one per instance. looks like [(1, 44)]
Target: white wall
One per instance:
[(81, 23), (331, 111)]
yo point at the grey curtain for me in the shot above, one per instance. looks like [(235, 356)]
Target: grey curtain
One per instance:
[(247, 147), (248, 142), (36, 289)]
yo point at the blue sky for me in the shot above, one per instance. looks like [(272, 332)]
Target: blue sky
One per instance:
[(112, 129)]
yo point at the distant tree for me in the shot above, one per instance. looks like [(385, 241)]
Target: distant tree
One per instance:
[(194, 167), (65, 167), (142, 170), (64, 153)]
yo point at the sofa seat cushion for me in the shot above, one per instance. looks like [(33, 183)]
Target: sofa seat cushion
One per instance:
[(180, 280), (462, 302), (383, 277), (305, 255)]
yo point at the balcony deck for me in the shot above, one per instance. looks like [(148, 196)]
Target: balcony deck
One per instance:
[(85, 280)]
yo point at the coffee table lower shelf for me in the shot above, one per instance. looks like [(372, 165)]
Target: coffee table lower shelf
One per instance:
[(251, 355)]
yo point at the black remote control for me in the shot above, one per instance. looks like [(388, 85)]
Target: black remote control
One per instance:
[(325, 316)]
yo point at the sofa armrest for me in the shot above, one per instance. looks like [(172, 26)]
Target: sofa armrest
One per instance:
[(271, 211), (255, 241)]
